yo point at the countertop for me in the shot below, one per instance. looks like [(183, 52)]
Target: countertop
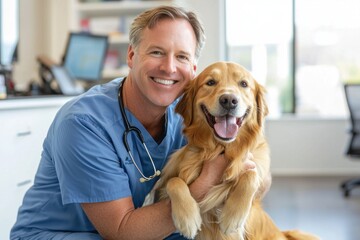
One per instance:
[(33, 101)]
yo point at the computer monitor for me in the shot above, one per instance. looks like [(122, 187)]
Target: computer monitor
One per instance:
[(85, 55)]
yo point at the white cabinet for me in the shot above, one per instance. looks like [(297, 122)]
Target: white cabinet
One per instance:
[(23, 127), (112, 18)]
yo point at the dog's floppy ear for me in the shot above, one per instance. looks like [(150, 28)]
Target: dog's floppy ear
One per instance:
[(261, 106), (185, 105)]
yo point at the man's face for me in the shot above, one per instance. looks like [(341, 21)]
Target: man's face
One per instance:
[(163, 62)]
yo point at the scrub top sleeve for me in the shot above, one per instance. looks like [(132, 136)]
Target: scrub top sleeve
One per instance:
[(86, 163)]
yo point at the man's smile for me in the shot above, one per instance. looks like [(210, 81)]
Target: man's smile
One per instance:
[(164, 81)]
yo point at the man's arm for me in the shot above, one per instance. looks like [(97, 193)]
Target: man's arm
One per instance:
[(119, 219)]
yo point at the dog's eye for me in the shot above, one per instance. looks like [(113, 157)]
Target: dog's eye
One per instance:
[(243, 84), (211, 82)]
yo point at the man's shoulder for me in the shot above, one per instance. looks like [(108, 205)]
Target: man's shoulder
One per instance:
[(98, 102)]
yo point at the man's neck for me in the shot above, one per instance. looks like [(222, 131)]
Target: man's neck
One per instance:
[(151, 117)]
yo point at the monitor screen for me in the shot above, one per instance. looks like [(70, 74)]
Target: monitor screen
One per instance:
[(84, 56)]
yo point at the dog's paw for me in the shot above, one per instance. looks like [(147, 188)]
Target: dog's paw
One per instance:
[(232, 220), (230, 226), (187, 220)]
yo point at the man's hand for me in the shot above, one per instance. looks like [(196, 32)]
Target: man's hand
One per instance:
[(211, 175)]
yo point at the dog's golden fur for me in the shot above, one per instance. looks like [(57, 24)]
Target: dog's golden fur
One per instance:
[(232, 209)]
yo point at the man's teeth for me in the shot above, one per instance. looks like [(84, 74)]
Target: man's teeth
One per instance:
[(164, 81)]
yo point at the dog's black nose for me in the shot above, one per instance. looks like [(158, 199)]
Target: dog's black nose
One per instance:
[(228, 101)]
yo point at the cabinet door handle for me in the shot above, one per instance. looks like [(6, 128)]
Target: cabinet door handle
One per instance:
[(24, 133), (23, 183)]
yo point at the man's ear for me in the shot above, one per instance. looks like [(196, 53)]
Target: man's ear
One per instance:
[(194, 70), (130, 55)]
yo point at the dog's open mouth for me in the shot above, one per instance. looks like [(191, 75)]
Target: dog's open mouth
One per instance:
[(226, 127)]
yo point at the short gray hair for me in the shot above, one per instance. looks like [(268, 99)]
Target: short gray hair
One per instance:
[(150, 17)]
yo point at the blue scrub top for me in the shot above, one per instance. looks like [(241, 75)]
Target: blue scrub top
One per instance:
[(84, 160)]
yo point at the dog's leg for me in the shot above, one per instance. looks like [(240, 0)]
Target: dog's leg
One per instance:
[(185, 210), (237, 207)]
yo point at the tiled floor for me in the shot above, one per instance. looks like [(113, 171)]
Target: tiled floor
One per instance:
[(316, 205)]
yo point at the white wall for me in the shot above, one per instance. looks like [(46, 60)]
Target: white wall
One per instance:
[(210, 13), (32, 40), (43, 28), (310, 146)]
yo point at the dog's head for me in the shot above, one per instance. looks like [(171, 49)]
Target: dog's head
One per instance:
[(224, 98)]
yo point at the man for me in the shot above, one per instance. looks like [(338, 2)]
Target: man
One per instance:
[(87, 185)]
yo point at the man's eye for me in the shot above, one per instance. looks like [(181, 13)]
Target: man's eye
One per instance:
[(183, 58), (157, 53)]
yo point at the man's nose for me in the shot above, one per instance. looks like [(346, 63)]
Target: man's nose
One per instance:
[(168, 64)]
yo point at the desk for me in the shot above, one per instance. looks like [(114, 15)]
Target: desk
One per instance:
[(24, 122)]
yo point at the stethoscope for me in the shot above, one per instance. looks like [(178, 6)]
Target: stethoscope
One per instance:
[(128, 129)]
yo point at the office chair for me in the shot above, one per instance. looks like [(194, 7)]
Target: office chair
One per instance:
[(352, 93)]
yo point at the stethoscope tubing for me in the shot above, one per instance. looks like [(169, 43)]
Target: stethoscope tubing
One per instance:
[(128, 129)]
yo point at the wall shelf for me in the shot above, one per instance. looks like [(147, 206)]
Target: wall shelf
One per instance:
[(112, 18), (118, 7)]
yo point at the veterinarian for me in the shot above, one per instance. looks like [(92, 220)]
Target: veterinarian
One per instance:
[(93, 176)]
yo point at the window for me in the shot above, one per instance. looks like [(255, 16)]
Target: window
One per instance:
[(9, 30), (259, 37), (308, 78)]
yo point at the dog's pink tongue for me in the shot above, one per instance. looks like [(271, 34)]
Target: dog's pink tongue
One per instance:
[(226, 126)]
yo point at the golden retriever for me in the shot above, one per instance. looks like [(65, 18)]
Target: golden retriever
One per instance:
[(223, 110)]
